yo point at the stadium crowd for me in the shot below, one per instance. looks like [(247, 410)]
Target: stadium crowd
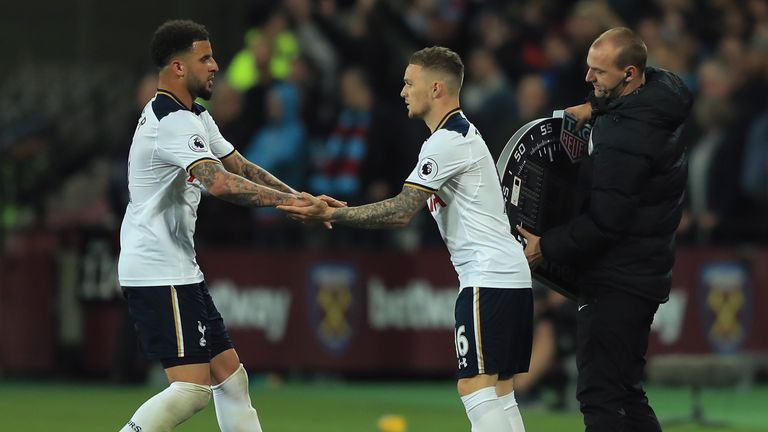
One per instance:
[(312, 96)]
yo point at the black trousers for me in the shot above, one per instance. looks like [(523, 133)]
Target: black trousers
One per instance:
[(612, 339)]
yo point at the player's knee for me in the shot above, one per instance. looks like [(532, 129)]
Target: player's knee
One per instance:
[(463, 386), (467, 386), (194, 396)]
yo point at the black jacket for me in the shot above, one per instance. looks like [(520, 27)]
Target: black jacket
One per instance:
[(629, 193)]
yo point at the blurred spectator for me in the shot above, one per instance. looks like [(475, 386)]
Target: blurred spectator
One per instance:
[(488, 100), (307, 80), (587, 20), (734, 20), (252, 65), (338, 161), (227, 109), (669, 45), (564, 72), (532, 99), (754, 179), (496, 34), (530, 102), (437, 21), (255, 97), (279, 146), (713, 187), (363, 27), (314, 44)]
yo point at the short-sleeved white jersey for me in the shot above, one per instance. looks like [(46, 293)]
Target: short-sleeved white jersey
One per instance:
[(156, 237), (468, 206)]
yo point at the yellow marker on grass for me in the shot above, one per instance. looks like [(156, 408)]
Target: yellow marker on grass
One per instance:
[(392, 423)]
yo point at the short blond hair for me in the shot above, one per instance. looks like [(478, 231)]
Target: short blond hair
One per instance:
[(443, 60)]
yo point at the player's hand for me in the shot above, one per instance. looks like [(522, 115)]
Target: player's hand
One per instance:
[(317, 210), (582, 113), (333, 202), (297, 200), (532, 248)]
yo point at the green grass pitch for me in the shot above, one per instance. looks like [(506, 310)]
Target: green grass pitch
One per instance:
[(338, 407)]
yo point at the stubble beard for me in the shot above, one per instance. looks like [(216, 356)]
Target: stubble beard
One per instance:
[(611, 94), (601, 94), (200, 89), (416, 115)]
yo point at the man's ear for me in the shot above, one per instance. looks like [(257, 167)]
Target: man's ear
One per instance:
[(178, 68), (632, 72), (438, 88)]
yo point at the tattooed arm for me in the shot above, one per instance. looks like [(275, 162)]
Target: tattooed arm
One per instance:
[(390, 213), (238, 190), (237, 164)]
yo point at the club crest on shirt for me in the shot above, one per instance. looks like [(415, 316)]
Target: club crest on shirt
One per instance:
[(427, 169), (196, 143)]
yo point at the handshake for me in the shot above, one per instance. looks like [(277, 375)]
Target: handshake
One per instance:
[(306, 208)]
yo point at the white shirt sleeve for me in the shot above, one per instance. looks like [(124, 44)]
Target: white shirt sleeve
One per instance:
[(220, 147), (182, 140), (442, 156)]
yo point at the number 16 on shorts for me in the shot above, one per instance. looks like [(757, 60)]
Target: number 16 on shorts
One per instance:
[(462, 346)]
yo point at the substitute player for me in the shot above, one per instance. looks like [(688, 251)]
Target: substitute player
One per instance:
[(457, 179), (177, 149)]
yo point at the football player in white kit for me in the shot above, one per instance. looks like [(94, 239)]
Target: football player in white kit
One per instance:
[(457, 179), (176, 151)]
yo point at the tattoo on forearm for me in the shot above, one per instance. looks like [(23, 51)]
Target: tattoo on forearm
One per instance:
[(246, 193), (239, 190), (392, 212), (261, 176)]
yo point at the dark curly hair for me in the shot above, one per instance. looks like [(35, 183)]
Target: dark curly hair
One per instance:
[(173, 37)]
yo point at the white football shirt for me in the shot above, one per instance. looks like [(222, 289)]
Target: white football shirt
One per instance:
[(468, 206), (156, 237)]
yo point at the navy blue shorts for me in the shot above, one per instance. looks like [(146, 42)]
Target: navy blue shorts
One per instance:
[(177, 324), (494, 331)]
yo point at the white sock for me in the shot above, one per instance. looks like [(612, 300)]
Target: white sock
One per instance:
[(169, 408), (233, 405), (509, 403), (485, 411)]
